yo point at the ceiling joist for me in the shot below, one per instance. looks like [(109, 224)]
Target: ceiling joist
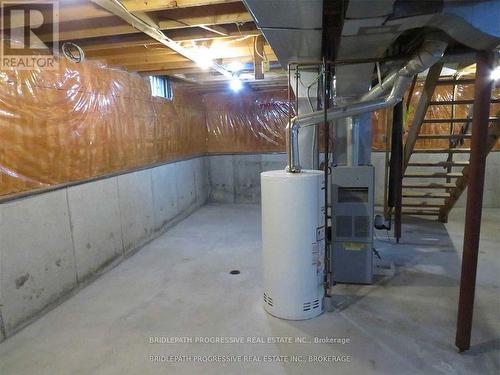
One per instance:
[(112, 26), (116, 8), (206, 20), (156, 5), (70, 11), (139, 40), (166, 36), (161, 56)]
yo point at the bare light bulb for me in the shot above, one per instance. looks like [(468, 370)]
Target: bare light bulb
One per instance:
[(204, 58), (235, 84), (495, 74)]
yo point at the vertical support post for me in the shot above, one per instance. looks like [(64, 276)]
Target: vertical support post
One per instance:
[(289, 103), (297, 79), (388, 145), (326, 166), (479, 141), (396, 168), (397, 132), (258, 53)]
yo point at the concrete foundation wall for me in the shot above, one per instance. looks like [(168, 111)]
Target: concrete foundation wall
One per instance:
[(53, 243), (236, 178)]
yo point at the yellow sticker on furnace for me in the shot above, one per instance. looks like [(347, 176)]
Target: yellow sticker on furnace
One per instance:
[(354, 246)]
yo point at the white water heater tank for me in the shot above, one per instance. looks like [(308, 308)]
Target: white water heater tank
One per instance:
[(293, 235)]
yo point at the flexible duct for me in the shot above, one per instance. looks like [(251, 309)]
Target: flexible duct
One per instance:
[(431, 51)]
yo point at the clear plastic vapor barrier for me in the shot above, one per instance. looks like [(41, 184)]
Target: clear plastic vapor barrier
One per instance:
[(85, 120)]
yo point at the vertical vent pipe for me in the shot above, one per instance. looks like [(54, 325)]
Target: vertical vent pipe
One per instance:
[(430, 52)]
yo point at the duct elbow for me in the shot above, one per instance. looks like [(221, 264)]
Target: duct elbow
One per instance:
[(293, 124), (292, 131), (431, 51), (398, 90)]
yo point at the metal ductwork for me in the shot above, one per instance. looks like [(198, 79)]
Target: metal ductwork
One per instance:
[(431, 51), (292, 27)]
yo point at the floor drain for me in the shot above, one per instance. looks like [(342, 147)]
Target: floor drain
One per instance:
[(234, 272)]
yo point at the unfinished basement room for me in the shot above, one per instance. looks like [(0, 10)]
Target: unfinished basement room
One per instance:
[(279, 187)]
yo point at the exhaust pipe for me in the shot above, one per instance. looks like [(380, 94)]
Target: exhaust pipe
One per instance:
[(431, 51)]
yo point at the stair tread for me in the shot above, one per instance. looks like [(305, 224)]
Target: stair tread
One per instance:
[(463, 150), (443, 136), (458, 101), (452, 120), (429, 186), (422, 205), (439, 164), (433, 209), (451, 81), (415, 194), (420, 212), (433, 174)]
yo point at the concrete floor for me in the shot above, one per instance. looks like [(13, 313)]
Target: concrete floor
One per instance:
[(179, 285)]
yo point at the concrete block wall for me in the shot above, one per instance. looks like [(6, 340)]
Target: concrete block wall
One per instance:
[(55, 242), (236, 178)]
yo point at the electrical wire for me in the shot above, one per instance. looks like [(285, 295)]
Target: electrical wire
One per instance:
[(243, 37), (67, 49), (255, 48), (308, 88)]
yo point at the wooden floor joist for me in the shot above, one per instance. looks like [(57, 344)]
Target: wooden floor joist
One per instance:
[(116, 45), (161, 55), (112, 26), (162, 35), (156, 5)]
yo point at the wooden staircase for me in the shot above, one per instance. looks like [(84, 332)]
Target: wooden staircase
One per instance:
[(431, 188)]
